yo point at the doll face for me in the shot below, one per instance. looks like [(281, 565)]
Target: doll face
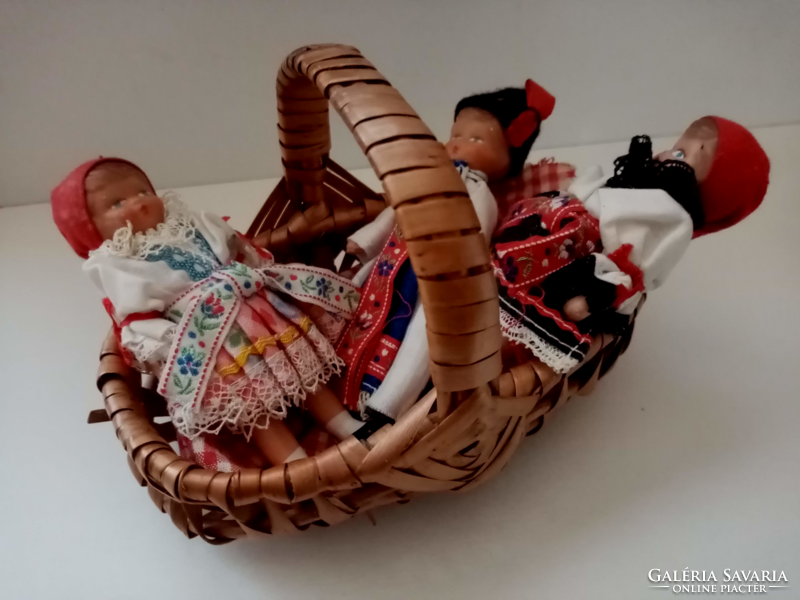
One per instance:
[(478, 139), (116, 194), (697, 147)]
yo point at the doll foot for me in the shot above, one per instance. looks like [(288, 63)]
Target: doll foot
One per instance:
[(375, 421)]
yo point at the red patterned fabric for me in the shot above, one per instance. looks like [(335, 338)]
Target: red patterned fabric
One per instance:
[(360, 340), (553, 231), (229, 453), (542, 235), (544, 176), (224, 452)]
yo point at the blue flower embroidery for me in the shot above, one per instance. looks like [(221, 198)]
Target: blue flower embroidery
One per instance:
[(189, 362), (510, 269), (323, 287), (384, 268)]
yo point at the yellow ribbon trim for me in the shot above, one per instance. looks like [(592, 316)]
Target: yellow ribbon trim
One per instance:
[(261, 344)]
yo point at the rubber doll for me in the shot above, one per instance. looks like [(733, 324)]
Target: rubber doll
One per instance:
[(578, 261), (234, 338), (386, 347)]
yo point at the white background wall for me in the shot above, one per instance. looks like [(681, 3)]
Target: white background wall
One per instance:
[(186, 87)]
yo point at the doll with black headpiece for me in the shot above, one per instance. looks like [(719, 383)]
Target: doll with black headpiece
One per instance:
[(385, 348)]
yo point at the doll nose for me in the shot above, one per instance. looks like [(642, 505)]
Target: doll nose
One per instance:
[(139, 204), (452, 148)]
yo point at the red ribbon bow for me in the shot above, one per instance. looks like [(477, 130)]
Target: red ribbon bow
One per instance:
[(540, 106)]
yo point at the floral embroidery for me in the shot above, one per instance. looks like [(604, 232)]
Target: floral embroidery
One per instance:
[(198, 265), (566, 249), (364, 320), (189, 364), (385, 267), (323, 287), (510, 269), (210, 311), (319, 286), (351, 296), (559, 202)]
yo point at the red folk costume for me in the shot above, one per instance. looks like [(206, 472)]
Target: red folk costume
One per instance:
[(541, 236), (365, 347)]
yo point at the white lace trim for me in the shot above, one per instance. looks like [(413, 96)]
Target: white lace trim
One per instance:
[(243, 405), (514, 330), (265, 390), (144, 349), (178, 230)]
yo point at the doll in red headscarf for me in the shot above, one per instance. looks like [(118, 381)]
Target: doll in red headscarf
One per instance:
[(235, 338), (579, 261)]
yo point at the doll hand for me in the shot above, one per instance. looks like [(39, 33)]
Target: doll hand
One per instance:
[(353, 248), (576, 309)]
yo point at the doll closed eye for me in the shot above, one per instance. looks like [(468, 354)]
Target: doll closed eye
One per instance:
[(119, 203)]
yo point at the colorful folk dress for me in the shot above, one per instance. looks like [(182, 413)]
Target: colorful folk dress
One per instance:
[(610, 245), (385, 346), (237, 339)]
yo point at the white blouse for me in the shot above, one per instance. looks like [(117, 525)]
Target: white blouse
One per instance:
[(658, 228), (146, 272)]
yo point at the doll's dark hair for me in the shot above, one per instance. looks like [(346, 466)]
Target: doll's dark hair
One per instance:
[(506, 105)]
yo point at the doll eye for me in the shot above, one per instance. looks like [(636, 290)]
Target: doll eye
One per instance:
[(117, 204), (144, 193), (476, 140), (678, 154)]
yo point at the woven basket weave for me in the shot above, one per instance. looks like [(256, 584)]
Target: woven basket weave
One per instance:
[(458, 435)]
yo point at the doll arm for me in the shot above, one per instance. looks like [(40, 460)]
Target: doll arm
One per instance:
[(149, 340), (370, 239), (644, 234), (228, 244), (657, 228), (482, 199), (139, 292)]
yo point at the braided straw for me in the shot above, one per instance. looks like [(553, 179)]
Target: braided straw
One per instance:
[(458, 435)]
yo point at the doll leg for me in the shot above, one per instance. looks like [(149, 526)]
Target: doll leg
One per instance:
[(329, 411), (277, 443)]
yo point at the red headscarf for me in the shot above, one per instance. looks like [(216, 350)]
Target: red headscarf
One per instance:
[(737, 181), (70, 211)]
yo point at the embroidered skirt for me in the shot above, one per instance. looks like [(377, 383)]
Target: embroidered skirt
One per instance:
[(533, 252), (244, 354)]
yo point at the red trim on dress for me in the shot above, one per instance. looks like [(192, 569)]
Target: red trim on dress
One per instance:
[(621, 258)]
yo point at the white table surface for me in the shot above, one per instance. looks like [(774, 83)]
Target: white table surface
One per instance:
[(686, 455)]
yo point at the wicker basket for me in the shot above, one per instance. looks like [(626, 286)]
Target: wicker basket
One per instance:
[(458, 435)]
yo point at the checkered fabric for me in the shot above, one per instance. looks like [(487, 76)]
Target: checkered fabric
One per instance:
[(534, 179)]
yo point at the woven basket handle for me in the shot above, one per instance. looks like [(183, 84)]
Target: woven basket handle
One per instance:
[(448, 253)]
